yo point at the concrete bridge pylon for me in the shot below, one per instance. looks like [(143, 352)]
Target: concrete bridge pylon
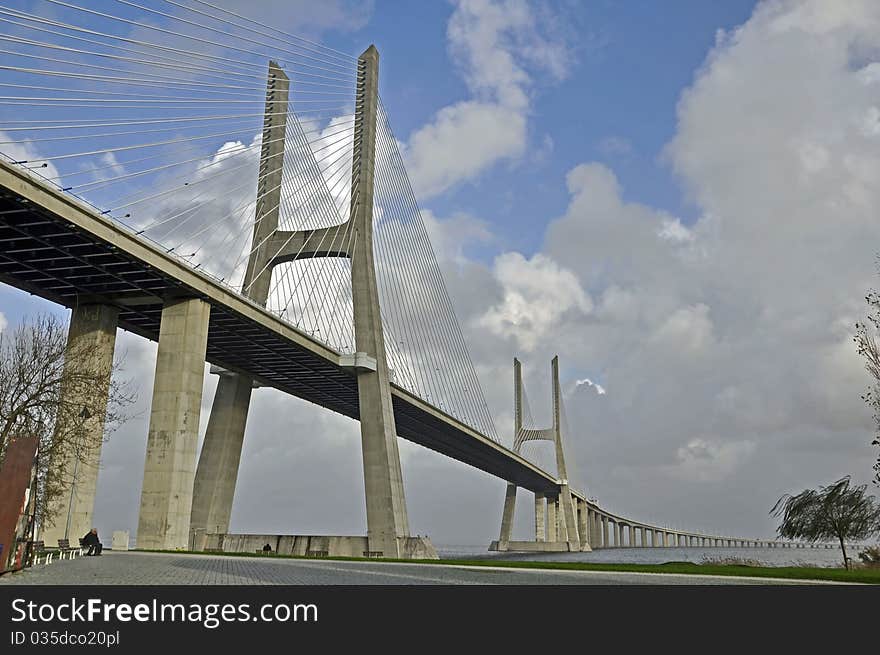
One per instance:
[(561, 519), (215, 479)]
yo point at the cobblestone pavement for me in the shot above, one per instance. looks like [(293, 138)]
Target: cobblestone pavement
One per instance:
[(133, 568)]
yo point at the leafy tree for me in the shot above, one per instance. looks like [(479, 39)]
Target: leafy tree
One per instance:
[(837, 511), (868, 348), (48, 390)]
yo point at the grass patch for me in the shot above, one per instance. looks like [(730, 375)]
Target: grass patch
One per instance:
[(860, 575)]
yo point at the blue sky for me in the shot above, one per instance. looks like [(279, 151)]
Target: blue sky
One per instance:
[(631, 61)]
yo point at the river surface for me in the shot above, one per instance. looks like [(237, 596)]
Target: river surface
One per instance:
[(760, 556)]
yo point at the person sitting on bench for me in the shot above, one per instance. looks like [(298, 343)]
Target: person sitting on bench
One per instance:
[(91, 540)]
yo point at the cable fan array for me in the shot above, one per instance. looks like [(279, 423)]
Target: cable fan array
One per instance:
[(153, 113)]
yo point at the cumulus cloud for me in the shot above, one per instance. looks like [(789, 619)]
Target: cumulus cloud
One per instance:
[(737, 325), (16, 149), (537, 294), (497, 45), (589, 384), (707, 460)]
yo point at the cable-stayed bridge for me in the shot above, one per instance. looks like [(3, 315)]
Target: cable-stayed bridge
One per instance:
[(236, 193)]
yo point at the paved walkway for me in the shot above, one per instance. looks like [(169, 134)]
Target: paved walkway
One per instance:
[(133, 568)]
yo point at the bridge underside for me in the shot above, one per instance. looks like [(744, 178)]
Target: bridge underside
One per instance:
[(49, 256)]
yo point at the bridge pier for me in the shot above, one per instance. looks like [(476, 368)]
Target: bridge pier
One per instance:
[(217, 472), (583, 525), (93, 330), (540, 517), (169, 466), (507, 516), (552, 519)]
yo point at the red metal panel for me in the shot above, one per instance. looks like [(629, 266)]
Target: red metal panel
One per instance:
[(16, 476)]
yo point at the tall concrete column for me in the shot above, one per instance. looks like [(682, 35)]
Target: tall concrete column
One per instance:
[(540, 518), (552, 520), (604, 532), (583, 525), (617, 535), (383, 480), (92, 332), (169, 468), (632, 536), (217, 472), (507, 516)]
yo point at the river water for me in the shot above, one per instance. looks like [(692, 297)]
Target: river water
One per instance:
[(761, 556)]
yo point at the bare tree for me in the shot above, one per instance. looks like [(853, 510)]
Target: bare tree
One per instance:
[(833, 512), (866, 342), (52, 391)]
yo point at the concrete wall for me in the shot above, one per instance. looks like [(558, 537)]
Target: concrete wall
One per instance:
[(314, 545)]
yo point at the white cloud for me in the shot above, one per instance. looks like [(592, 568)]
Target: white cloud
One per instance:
[(497, 45), (707, 460), (737, 325), (589, 384), (687, 329), (23, 150), (462, 141), (3, 322), (450, 236), (537, 294)]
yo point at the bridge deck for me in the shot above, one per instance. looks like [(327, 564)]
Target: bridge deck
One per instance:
[(66, 251)]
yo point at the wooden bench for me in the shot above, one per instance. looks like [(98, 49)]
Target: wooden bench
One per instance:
[(37, 553), (64, 549)]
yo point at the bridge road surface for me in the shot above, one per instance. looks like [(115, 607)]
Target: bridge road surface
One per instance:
[(133, 568)]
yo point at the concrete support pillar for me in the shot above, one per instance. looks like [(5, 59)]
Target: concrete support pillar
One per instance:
[(217, 472), (632, 536), (604, 532), (507, 516), (568, 523), (583, 525), (169, 468), (540, 518), (552, 519), (92, 334)]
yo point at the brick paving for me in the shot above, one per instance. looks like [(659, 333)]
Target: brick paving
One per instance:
[(134, 568)]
